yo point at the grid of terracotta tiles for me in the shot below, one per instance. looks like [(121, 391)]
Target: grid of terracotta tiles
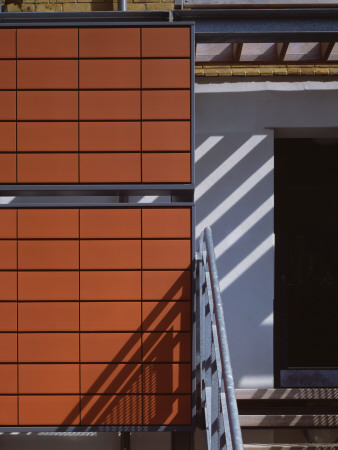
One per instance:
[(95, 316), (95, 105)]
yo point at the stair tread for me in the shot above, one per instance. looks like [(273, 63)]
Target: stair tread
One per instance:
[(293, 420), (288, 394)]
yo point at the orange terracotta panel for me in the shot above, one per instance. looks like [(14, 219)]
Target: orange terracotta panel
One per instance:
[(8, 74), (8, 286), (48, 347), (44, 286), (166, 254), (8, 251), (110, 168), (166, 347), (167, 410), (47, 105), (47, 74), (52, 255), (45, 316), (49, 410), (166, 378), (49, 378), (166, 316), (107, 285), (110, 347), (111, 410), (110, 74), (109, 42), (8, 347), (111, 379), (8, 137), (110, 105), (165, 136), (110, 316), (166, 42), (166, 223), (7, 43), (8, 409), (110, 136), (166, 73), (110, 223), (166, 285), (116, 254), (47, 168), (166, 104), (7, 105), (48, 223), (7, 167), (8, 379), (166, 167), (8, 224), (48, 43), (8, 316), (47, 136)]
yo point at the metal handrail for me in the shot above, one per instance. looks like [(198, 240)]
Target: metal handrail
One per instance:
[(215, 380)]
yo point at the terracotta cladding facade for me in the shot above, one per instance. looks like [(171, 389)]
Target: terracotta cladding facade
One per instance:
[(95, 316)]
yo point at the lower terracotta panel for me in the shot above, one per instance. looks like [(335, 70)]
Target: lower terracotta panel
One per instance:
[(8, 137), (48, 347), (9, 410), (47, 136), (110, 136), (110, 347), (110, 254), (166, 378), (49, 378), (8, 283), (166, 316), (110, 285), (48, 168), (167, 410), (8, 228), (166, 285), (8, 347), (7, 168), (110, 316), (111, 410), (8, 250), (49, 410), (110, 168), (165, 104), (8, 316), (44, 286), (7, 105), (45, 316), (48, 254), (166, 254), (166, 347), (166, 168), (111, 378), (8, 379), (166, 136)]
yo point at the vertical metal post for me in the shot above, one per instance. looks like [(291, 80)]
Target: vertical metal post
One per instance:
[(122, 5), (125, 440)]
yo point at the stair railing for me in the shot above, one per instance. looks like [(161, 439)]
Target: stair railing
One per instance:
[(216, 403)]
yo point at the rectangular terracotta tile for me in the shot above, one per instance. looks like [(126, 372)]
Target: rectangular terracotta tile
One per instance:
[(166, 378), (165, 136), (110, 136), (44, 286), (167, 410), (166, 347), (8, 347), (48, 347), (49, 410), (110, 316), (166, 74), (58, 254), (7, 167), (48, 223), (110, 105), (8, 283), (8, 409), (166, 254), (166, 316), (7, 105), (8, 137), (47, 168), (166, 223), (8, 251), (109, 42), (47, 43), (7, 43), (166, 105), (110, 223), (166, 285), (110, 74), (45, 316), (166, 42), (166, 168), (8, 316), (49, 379), (8, 224), (110, 347), (111, 379), (110, 285), (8, 379), (48, 74), (110, 254), (110, 168), (8, 74), (47, 136), (47, 105)]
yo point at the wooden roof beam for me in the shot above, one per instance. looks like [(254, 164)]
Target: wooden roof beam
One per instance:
[(237, 48), (326, 49), (282, 48)]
